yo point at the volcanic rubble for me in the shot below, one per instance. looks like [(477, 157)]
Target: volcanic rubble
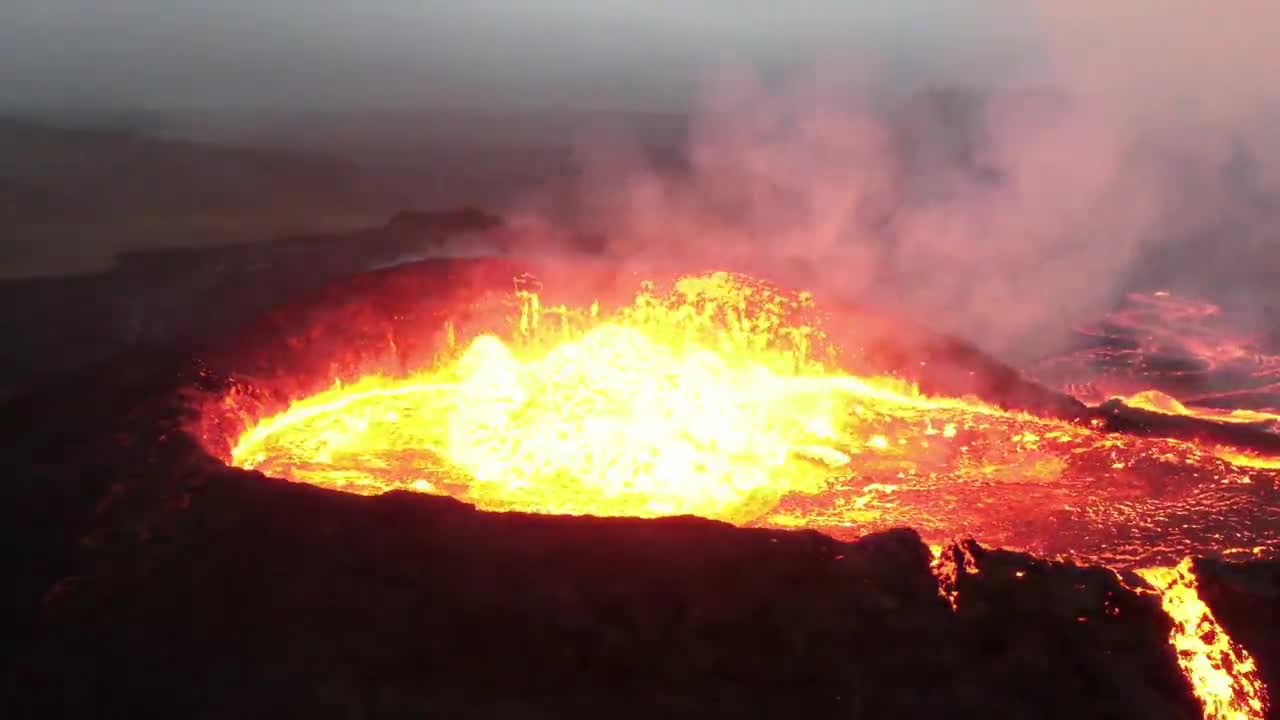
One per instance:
[(148, 578)]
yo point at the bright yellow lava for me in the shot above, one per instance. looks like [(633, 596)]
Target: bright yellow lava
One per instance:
[(1158, 402), (717, 398), (1223, 675), (706, 400), (712, 398)]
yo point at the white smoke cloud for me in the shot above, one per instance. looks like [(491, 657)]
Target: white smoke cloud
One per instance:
[(1003, 215)]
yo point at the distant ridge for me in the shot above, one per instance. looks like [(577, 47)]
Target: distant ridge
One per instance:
[(184, 296)]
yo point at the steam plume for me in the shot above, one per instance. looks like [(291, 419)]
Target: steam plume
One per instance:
[(1130, 149)]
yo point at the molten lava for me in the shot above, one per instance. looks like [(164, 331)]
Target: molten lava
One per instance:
[(1224, 675), (719, 397), (722, 397), (701, 401)]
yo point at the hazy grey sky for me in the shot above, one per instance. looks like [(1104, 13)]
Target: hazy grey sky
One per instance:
[(219, 53)]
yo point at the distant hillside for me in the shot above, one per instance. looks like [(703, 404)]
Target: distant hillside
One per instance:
[(71, 198), (165, 296), (107, 174)]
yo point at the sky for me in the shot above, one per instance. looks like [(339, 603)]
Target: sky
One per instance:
[(1155, 155), (641, 53)]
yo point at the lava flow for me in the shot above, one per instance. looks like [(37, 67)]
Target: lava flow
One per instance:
[(1224, 676), (723, 397)]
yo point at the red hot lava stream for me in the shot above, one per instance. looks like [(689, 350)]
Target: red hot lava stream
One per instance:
[(719, 397)]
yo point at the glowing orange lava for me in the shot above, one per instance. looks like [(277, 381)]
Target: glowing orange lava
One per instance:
[(1224, 675), (719, 397), (1158, 402), (703, 401)]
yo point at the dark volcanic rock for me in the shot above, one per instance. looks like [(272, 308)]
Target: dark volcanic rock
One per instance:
[(1115, 416), (151, 580), (251, 596), (159, 582), (1245, 598), (189, 295)]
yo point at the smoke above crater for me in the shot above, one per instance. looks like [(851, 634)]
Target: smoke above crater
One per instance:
[(1132, 149)]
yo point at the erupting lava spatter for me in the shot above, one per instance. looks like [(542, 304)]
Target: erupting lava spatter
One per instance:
[(721, 397), (703, 401)]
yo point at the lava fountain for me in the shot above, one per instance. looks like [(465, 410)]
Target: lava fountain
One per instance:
[(721, 396)]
